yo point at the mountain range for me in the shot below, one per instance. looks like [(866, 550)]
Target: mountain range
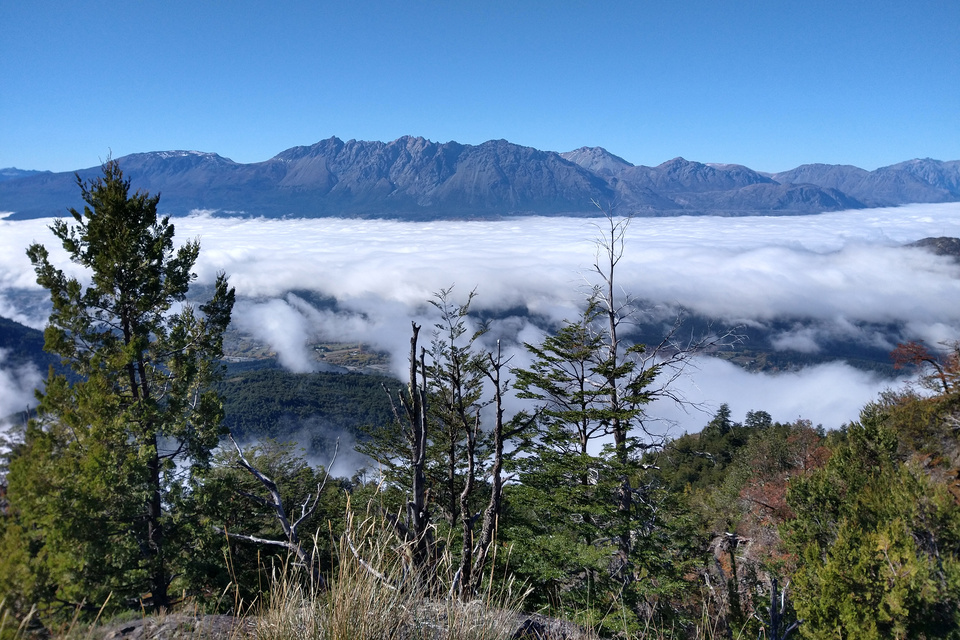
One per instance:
[(416, 179)]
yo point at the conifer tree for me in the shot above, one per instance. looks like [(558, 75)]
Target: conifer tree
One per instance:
[(454, 383), (592, 524), (97, 484)]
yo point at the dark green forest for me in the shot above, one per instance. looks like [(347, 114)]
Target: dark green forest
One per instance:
[(274, 404), (127, 490)]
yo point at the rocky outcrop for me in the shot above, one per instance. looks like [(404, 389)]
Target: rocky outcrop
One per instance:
[(179, 627), (942, 246), (519, 626)]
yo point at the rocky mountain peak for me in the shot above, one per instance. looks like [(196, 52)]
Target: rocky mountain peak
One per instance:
[(598, 160)]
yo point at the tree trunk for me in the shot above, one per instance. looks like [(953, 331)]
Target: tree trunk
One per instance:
[(418, 516), (491, 515), (464, 580), (155, 538)]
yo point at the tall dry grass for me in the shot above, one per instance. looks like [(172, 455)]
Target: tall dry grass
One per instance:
[(374, 595)]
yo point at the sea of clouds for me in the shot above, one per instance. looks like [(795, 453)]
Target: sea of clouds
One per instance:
[(831, 276)]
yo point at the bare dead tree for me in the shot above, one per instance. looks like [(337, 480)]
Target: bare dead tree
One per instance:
[(274, 502), (776, 630), (615, 308), (415, 529), (637, 374), (491, 514), (413, 417), (475, 549), (463, 577)]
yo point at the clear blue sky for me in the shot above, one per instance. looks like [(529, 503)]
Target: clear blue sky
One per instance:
[(770, 84)]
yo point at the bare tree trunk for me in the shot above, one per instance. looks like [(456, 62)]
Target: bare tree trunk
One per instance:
[(463, 581), (453, 513), (418, 515), (776, 615), (609, 252), (491, 515)]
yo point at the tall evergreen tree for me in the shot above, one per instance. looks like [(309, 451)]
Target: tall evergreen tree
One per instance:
[(97, 484), (454, 382), (589, 518)]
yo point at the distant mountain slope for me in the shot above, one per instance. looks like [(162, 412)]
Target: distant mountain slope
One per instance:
[(597, 160), (682, 176), (409, 178), (413, 177), (12, 173), (417, 179), (912, 181), (22, 345)]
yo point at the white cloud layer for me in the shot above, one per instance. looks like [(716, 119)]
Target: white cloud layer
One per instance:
[(829, 394), (16, 387), (833, 273)]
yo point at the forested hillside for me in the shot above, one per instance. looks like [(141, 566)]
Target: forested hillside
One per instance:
[(126, 492), (272, 403)]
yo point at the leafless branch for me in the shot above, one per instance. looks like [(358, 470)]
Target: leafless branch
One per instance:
[(275, 502)]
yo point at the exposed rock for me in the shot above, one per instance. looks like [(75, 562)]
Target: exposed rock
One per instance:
[(943, 246), (179, 627), (225, 627)]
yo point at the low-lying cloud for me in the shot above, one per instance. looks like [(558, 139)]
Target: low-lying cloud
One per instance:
[(832, 277), (829, 394), (17, 383)]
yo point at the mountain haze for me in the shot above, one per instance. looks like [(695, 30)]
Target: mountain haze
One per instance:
[(416, 179)]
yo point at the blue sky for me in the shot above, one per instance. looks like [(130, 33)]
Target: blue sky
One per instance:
[(769, 84)]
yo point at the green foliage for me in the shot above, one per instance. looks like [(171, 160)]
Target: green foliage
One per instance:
[(114, 490), (734, 478), (95, 483), (454, 378), (562, 380), (701, 460), (879, 542), (589, 524)]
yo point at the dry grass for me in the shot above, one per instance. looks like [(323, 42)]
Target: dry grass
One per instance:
[(377, 598)]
